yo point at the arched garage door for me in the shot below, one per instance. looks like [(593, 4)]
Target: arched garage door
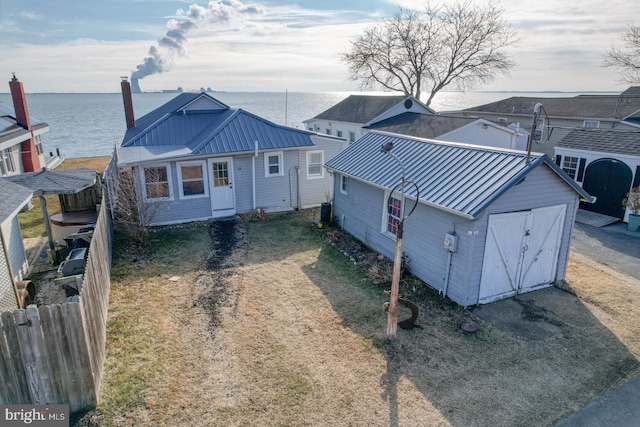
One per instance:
[(609, 181)]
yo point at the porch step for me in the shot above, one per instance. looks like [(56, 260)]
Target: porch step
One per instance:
[(594, 219)]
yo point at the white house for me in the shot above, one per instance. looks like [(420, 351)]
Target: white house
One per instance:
[(606, 163), (13, 258), (20, 135), (562, 114), (454, 129), (346, 119)]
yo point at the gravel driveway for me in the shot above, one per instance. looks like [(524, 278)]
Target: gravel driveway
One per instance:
[(612, 245)]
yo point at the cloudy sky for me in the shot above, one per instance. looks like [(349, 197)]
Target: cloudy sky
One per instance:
[(273, 45)]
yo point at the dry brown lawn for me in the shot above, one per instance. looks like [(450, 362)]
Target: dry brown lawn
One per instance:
[(284, 330)]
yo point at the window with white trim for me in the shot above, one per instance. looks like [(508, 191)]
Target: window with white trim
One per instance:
[(157, 183), (192, 179), (344, 184), (591, 124), (273, 164), (315, 160), (352, 136), (328, 131), (392, 212), (339, 134), (570, 165), (38, 142), (7, 165)]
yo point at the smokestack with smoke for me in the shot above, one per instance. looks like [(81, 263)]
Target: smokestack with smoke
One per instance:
[(160, 59)]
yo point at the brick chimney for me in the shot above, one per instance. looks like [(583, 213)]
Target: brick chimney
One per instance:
[(30, 157), (128, 103)]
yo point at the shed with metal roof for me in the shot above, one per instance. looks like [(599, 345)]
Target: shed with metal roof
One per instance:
[(605, 162), (488, 223), (195, 158)]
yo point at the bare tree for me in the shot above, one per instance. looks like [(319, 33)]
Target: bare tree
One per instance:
[(627, 59), (461, 43), (131, 211)]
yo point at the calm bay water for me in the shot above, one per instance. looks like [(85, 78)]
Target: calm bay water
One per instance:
[(90, 124)]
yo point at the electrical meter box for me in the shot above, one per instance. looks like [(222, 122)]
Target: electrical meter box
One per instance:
[(451, 242)]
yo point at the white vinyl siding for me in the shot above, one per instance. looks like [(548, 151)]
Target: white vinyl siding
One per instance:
[(315, 160), (192, 180), (273, 164)]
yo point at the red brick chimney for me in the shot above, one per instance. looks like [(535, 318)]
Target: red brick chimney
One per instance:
[(30, 157), (128, 103)]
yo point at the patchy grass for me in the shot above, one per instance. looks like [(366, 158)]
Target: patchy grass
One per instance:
[(299, 339)]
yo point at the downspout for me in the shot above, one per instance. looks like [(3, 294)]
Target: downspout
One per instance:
[(297, 175), (253, 174)]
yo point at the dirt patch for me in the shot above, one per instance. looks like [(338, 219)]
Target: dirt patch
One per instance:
[(217, 284)]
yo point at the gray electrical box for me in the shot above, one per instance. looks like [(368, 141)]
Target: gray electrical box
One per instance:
[(451, 242)]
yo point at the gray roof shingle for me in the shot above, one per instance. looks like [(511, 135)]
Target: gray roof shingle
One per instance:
[(421, 125), (590, 106), (605, 141), (14, 197), (360, 108)]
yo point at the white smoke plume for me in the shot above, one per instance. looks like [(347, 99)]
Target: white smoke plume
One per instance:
[(172, 44)]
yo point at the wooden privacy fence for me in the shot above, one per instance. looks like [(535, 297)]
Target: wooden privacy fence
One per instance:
[(54, 354)]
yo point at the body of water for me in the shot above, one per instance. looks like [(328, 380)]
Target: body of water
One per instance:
[(90, 124)]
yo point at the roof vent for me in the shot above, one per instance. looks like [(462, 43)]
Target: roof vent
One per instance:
[(408, 103)]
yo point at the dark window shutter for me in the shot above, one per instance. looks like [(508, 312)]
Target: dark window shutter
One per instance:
[(558, 160), (636, 179), (580, 176)]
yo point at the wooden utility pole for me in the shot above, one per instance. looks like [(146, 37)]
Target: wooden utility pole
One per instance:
[(392, 318)]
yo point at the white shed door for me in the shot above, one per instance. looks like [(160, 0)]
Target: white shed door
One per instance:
[(521, 252)]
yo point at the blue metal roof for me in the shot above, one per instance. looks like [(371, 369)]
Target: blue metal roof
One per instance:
[(206, 126), (461, 178)]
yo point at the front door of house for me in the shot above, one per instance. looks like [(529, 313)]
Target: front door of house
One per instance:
[(221, 186)]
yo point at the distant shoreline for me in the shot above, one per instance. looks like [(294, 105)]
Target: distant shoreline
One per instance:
[(597, 92)]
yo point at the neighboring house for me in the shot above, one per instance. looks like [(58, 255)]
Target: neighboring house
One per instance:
[(196, 159), (488, 224), (560, 115), (13, 258), (454, 129), (606, 163), (20, 135), (346, 119)]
